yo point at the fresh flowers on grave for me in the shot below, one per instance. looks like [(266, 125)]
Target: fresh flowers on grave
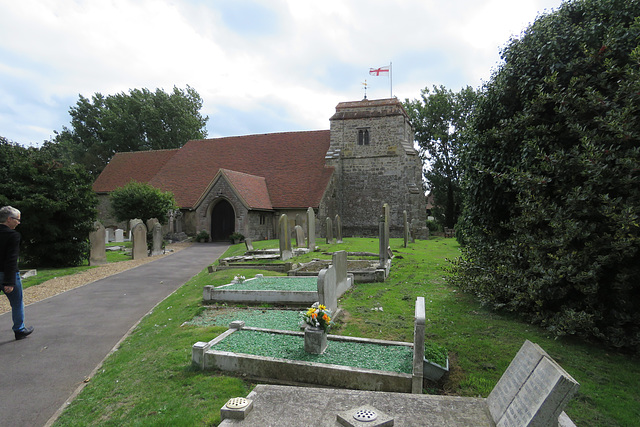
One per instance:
[(318, 316), (239, 279)]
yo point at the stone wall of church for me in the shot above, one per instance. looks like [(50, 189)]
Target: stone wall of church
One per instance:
[(386, 170)]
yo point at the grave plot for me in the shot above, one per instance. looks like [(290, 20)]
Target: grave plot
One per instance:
[(348, 362)]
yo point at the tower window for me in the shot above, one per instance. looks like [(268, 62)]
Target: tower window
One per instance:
[(363, 136)]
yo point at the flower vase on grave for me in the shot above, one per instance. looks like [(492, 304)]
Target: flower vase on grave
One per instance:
[(315, 340)]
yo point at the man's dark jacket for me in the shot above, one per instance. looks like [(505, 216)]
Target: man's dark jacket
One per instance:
[(9, 251)]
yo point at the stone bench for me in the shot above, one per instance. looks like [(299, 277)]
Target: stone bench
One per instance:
[(533, 391)]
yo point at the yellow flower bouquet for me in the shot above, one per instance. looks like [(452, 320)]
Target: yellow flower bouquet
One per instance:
[(318, 316)]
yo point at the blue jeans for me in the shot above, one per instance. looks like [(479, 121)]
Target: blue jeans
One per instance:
[(17, 305)]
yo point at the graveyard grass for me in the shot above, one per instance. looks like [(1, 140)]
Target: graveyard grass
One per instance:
[(149, 381)]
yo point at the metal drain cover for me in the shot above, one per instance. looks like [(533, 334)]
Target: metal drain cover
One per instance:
[(365, 415), (237, 403)]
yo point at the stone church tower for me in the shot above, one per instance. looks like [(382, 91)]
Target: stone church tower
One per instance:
[(371, 149)]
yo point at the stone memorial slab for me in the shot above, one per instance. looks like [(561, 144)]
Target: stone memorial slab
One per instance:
[(249, 244), (311, 229), (97, 253), (383, 254), (157, 239), (119, 235), (327, 288), (151, 222), (418, 346), (339, 261), (338, 225), (285, 238), (111, 235), (139, 239), (299, 233), (329, 231)]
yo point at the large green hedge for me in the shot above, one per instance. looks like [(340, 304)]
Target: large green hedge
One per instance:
[(551, 219)]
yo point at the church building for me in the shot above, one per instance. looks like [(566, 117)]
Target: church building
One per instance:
[(244, 183)]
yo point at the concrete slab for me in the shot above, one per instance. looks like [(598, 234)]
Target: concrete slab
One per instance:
[(286, 406)]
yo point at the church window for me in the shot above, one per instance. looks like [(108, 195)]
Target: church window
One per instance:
[(263, 219), (363, 136)]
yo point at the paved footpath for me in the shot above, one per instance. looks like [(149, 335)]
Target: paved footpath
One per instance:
[(77, 329)]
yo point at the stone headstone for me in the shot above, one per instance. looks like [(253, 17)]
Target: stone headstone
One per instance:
[(249, 244), (533, 391), (329, 231), (111, 235), (98, 253), (383, 255), (311, 229), (299, 220), (119, 235), (133, 222), (299, 236), (157, 239), (327, 294), (387, 222), (338, 229), (151, 222), (406, 228), (139, 239), (285, 238), (339, 261)]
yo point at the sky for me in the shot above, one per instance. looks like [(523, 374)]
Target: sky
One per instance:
[(260, 66)]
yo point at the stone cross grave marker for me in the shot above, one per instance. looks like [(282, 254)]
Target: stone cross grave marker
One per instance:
[(98, 253), (157, 239), (299, 232), (329, 231), (338, 229), (311, 229), (327, 288), (285, 238), (139, 238)]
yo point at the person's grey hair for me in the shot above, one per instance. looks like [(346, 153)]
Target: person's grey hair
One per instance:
[(6, 212)]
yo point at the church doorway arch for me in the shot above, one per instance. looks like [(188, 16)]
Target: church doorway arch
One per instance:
[(223, 220)]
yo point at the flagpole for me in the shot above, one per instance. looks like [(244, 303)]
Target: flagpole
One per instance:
[(390, 79)]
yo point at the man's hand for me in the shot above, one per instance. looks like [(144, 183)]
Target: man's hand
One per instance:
[(7, 289)]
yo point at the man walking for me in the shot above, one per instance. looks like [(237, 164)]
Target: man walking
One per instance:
[(9, 274)]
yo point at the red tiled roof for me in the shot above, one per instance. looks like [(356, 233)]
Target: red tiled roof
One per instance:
[(250, 188), (138, 166), (291, 163)]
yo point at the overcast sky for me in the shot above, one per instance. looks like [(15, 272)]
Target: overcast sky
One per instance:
[(260, 66)]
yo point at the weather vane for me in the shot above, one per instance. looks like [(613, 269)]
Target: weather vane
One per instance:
[(365, 88)]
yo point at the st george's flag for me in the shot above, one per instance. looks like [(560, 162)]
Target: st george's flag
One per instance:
[(382, 71)]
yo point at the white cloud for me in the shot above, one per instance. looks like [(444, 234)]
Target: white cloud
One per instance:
[(262, 65)]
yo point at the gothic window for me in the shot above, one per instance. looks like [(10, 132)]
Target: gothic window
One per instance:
[(263, 219), (363, 136)]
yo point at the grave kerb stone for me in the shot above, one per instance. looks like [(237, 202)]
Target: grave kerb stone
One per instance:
[(327, 288), (418, 346)]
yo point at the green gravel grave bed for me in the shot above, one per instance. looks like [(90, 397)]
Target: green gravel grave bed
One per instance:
[(286, 283), (389, 358), (283, 320)]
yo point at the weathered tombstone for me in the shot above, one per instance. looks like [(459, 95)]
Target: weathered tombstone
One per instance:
[(387, 223), (151, 222), (383, 255), (249, 244), (299, 220), (339, 261), (329, 232), (311, 229), (157, 239), (406, 228), (98, 253), (327, 294), (111, 235), (338, 229), (119, 235), (285, 238), (299, 236), (139, 239)]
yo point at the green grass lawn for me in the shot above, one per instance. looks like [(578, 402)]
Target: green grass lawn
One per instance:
[(150, 381)]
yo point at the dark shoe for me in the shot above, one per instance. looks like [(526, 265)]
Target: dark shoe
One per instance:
[(20, 335)]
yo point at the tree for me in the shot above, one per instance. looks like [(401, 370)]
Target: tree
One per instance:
[(552, 215), (141, 200), (440, 120), (138, 121), (56, 201)]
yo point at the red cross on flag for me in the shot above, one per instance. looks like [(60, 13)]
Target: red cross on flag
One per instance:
[(379, 71)]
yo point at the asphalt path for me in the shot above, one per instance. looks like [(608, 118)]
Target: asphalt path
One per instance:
[(76, 330)]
